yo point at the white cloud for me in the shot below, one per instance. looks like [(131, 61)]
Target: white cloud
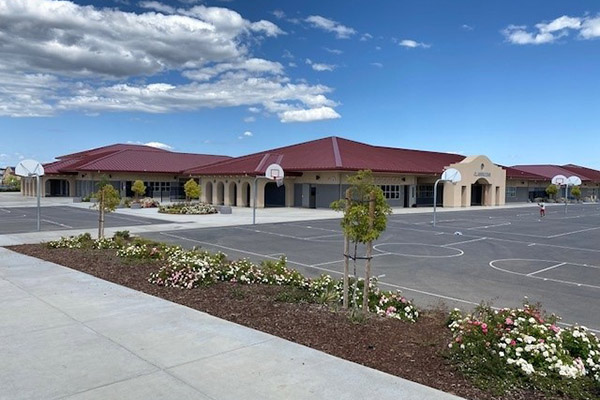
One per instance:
[(467, 27), (159, 145), (560, 24), (413, 44), (250, 119), (518, 35), (341, 31), (157, 6), (333, 51), (253, 66), (376, 64), (365, 37), (60, 56), (319, 66), (550, 32), (314, 114), (590, 28), (279, 14), (254, 109), (245, 135)]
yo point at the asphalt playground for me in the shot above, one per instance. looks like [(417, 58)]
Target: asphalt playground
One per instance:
[(498, 256), (24, 219)]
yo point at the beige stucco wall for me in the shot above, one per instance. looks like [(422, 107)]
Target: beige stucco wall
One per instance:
[(476, 169)]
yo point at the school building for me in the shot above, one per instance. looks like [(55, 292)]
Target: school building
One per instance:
[(316, 173)]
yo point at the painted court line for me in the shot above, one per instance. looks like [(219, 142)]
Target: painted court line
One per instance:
[(489, 226), (57, 223), (547, 269), (465, 241), (571, 233), (578, 284)]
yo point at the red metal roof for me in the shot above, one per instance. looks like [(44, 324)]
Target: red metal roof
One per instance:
[(129, 158), (513, 173), (111, 148), (591, 174), (548, 171), (334, 153)]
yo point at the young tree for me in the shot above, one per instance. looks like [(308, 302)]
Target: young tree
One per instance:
[(13, 182), (107, 200), (138, 188), (192, 190), (365, 218), (576, 192), (551, 190)]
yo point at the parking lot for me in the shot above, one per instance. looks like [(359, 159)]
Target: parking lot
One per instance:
[(493, 255), (24, 219)]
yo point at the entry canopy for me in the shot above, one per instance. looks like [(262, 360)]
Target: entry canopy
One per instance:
[(451, 175), (274, 171), (27, 168), (559, 180), (574, 180)]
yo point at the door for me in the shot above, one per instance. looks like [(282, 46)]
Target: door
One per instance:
[(312, 202)]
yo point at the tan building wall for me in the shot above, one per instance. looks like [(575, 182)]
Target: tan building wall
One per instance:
[(475, 171)]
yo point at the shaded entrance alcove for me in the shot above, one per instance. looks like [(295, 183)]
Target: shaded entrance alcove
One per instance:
[(57, 187), (220, 193), (232, 198), (274, 196), (480, 192), (209, 192)]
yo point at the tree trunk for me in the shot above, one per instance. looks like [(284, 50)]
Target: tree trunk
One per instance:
[(101, 215), (346, 258), (369, 254)]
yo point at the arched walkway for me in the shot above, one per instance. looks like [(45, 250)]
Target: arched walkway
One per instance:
[(274, 196), (246, 195), (57, 187), (220, 193), (208, 192), (232, 197)]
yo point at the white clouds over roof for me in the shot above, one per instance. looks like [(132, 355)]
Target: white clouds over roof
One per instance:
[(58, 56), (314, 114)]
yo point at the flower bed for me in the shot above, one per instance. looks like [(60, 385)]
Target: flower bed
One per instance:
[(188, 208), (523, 347), (187, 269)]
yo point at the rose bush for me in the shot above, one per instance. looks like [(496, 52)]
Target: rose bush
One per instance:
[(524, 346)]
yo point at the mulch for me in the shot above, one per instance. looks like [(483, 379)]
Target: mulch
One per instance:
[(413, 351)]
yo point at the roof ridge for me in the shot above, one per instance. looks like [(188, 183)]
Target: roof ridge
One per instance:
[(101, 158), (336, 152), (396, 148)]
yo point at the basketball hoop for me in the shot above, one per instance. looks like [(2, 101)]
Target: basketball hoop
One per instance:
[(274, 173), (559, 180)]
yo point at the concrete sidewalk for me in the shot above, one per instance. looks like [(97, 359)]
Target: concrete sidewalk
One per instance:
[(68, 335)]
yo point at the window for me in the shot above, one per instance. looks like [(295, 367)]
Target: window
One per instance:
[(511, 191), (425, 191), (391, 191), (158, 186)]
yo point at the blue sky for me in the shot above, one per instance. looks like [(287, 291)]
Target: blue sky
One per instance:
[(516, 81)]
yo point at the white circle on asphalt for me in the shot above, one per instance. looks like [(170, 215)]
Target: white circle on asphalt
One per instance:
[(411, 250)]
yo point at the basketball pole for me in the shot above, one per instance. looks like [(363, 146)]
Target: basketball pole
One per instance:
[(435, 197), (37, 177)]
